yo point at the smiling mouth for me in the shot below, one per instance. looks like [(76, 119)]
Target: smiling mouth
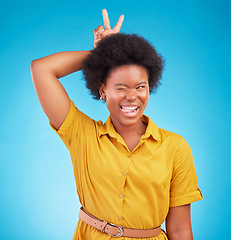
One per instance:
[(129, 111)]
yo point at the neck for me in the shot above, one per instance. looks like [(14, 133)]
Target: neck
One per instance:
[(130, 130)]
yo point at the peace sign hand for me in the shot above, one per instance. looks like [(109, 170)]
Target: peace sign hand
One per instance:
[(101, 33)]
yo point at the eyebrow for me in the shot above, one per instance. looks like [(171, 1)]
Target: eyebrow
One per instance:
[(122, 84), (142, 83)]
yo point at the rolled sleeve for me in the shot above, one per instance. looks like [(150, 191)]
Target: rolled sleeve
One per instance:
[(184, 185)]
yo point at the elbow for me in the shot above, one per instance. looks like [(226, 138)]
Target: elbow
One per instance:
[(37, 67), (36, 70), (41, 67), (34, 64)]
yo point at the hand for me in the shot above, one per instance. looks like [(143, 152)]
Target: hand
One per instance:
[(101, 33)]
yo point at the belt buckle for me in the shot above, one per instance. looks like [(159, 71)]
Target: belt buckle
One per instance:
[(121, 230)]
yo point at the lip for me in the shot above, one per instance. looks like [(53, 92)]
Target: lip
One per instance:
[(130, 110)]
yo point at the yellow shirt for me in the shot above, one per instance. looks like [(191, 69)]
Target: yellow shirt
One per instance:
[(131, 189)]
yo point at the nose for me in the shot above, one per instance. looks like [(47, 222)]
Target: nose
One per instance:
[(131, 95)]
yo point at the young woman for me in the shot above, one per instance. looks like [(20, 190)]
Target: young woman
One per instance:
[(130, 175)]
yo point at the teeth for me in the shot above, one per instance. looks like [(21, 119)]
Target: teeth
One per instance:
[(128, 108)]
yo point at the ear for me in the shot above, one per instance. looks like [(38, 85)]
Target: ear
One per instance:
[(102, 90)]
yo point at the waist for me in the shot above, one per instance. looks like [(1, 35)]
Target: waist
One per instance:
[(116, 230)]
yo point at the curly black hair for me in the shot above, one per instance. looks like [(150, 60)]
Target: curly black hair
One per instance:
[(121, 49)]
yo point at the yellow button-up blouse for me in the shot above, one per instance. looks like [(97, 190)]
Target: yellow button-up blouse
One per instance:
[(131, 189)]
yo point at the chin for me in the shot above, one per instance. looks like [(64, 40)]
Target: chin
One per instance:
[(130, 121)]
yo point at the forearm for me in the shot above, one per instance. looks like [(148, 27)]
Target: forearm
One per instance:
[(178, 223), (62, 63), (185, 234)]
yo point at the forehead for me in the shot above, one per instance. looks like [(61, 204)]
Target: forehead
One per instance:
[(127, 74)]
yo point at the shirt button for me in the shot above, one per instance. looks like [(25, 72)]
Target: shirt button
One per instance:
[(121, 195), (124, 173), (120, 218), (129, 155)]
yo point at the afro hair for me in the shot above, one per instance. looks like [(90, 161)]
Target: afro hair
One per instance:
[(121, 49)]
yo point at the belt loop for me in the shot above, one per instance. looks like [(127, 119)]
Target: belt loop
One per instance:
[(104, 224)]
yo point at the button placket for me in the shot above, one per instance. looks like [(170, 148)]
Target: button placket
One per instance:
[(124, 175)]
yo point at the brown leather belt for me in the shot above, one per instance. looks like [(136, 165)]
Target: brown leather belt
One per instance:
[(115, 230)]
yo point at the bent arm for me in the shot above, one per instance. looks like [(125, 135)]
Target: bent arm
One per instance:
[(178, 223), (46, 71), (51, 94)]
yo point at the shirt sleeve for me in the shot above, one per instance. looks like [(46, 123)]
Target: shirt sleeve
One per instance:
[(184, 185), (74, 126)]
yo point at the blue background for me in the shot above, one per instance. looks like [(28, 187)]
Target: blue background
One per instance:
[(38, 199)]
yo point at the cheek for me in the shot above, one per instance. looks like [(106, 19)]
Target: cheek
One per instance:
[(114, 97), (144, 96)]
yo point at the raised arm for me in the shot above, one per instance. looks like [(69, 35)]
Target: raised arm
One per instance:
[(46, 72), (51, 94)]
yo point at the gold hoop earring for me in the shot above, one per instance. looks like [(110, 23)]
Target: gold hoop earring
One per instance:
[(102, 99)]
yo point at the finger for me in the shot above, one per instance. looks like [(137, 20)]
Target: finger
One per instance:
[(105, 34), (98, 31), (118, 24), (106, 20)]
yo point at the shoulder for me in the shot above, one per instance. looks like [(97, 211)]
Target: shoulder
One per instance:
[(79, 123), (174, 139), (170, 139), (85, 118), (166, 134)]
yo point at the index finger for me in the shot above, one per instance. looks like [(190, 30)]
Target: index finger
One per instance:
[(106, 20), (119, 24)]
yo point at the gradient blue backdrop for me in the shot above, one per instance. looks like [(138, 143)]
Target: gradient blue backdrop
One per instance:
[(38, 199)]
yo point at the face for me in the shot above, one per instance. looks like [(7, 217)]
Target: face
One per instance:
[(127, 93)]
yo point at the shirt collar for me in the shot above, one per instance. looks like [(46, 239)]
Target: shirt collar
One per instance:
[(151, 130)]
